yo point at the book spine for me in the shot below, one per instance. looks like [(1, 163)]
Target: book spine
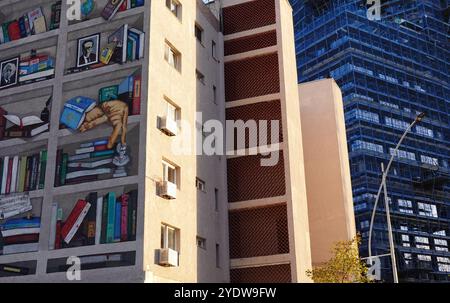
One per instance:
[(77, 223), (91, 219), (58, 236), (132, 217), (23, 173), (63, 174), (104, 225), (76, 211), (98, 221), (9, 176), (124, 218), (53, 222), (14, 31), (35, 172), (117, 221), (15, 170), (5, 174), (28, 173), (111, 217), (136, 106), (58, 167), (42, 169)]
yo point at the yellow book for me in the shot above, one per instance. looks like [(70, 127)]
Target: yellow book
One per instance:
[(22, 174)]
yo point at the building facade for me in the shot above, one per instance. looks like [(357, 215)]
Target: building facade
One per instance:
[(390, 69)]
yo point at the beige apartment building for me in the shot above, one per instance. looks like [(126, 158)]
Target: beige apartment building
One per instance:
[(200, 218)]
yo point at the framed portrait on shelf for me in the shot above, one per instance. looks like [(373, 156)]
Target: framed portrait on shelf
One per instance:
[(9, 72), (88, 50)]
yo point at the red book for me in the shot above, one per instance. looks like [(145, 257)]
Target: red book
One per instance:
[(123, 7), (101, 147), (136, 105), (58, 234), (14, 31), (124, 217), (9, 177), (21, 239), (76, 211)]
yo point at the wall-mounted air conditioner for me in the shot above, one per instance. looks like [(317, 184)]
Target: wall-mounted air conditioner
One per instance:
[(168, 257), (168, 190)]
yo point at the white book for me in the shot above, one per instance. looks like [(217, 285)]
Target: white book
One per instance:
[(20, 248), (5, 174), (77, 224), (11, 213), (21, 231), (90, 164), (45, 73), (141, 41), (98, 220), (85, 150), (92, 172), (52, 238), (15, 171), (25, 121)]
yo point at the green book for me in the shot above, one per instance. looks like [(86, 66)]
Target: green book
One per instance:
[(42, 169), (108, 93), (111, 217), (22, 173), (63, 174)]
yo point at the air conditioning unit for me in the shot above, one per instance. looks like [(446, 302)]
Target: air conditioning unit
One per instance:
[(168, 257), (168, 125), (168, 190)]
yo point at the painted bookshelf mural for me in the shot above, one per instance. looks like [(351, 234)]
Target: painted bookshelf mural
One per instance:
[(70, 129)]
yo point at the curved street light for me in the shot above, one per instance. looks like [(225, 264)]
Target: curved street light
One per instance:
[(418, 119)]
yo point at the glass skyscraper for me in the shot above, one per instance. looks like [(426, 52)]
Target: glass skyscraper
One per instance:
[(390, 70)]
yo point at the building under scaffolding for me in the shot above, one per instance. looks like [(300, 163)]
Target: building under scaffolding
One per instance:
[(389, 71)]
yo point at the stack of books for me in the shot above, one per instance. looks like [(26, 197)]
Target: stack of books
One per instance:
[(128, 91), (20, 235), (31, 23), (95, 220), (36, 68), (89, 161), (22, 173)]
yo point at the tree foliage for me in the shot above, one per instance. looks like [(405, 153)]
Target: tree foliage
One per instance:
[(344, 267)]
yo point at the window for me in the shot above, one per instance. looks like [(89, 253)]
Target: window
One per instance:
[(398, 124), (429, 160), (364, 224), (440, 242), (169, 237), (172, 56), (214, 50), (405, 206), (424, 258), (175, 7), (201, 242), (217, 255), (199, 33), (172, 111), (200, 77), (403, 154), (170, 173), (216, 199), (200, 184), (421, 240), (428, 210), (358, 145)]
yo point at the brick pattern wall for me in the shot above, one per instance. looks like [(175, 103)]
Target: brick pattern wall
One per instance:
[(268, 111), (259, 232), (249, 15), (253, 77), (264, 274), (250, 43), (248, 180)]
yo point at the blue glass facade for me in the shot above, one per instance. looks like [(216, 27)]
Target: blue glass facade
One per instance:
[(389, 71)]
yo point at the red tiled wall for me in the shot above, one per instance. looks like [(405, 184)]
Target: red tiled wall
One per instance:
[(248, 180), (253, 77), (259, 111), (250, 43), (249, 15), (264, 274), (259, 232)]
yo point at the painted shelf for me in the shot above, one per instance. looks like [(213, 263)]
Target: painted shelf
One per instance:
[(27, 143), (33, 42), (93, 186), (92, 250)]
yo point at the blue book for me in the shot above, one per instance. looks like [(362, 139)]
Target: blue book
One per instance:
[(75, 111), (94, 143), (117, 222), (21, 223), (111, 217)]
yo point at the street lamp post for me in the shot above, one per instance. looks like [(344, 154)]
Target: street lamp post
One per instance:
[(418, 119)]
